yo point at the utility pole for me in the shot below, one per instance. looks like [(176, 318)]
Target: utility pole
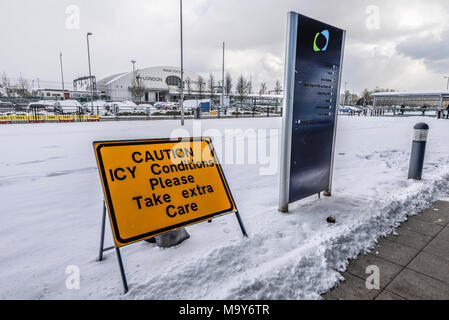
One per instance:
[(346, 95), (222, 82), (181, 102), (134, 69), (447, 86), (133, 78), (62, 75), (90, 75)]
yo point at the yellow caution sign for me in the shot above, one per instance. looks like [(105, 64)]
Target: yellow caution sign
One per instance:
[(155, 186)]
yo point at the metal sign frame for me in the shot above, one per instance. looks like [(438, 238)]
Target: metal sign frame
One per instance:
[(108, 206), (288, 111)]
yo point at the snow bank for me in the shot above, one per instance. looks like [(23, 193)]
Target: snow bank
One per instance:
[(51, 213)]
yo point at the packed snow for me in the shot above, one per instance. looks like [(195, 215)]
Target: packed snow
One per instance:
[(51, 205)]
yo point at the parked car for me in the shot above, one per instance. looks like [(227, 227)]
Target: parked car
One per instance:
[(160, 105), (36, 107), (242, 106), (6, 107), (99, 106), (124, 107), (49, 104), (356, 109), (142, 108), (348, 109), (343, 109), (68, 107)]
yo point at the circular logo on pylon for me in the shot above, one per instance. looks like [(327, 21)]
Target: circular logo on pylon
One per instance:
[(321, 41)]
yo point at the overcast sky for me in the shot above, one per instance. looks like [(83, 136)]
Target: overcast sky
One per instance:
[(400, 44)]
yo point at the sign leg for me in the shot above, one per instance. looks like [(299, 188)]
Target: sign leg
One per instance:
[(103, 222), (122, 270), (239, 219)]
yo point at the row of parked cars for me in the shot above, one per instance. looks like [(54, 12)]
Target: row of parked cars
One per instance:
[(100, 107), (103, 108), (353, 109)]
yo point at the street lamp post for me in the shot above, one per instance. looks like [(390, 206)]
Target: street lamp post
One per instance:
[(62, 75), (447, 86), (133, 77), (181, 102), (222, 82), (90, 76)]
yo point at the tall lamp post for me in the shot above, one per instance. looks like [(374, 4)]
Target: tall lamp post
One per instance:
[(133, 78), (90, 75), (222, 82), (447, 86), (62, 75), (134, 68), (181, 101)]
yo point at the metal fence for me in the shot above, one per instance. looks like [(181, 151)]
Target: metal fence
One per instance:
[(68, 115)]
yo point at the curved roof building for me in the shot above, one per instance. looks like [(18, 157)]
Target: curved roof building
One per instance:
[(160, 84)]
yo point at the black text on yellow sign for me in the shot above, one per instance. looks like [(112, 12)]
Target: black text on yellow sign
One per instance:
[(154, 186)]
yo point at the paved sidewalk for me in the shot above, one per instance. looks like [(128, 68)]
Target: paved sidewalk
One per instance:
[(413, 264)]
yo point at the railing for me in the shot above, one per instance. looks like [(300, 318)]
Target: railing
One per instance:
[(83, 115), (47, 119)]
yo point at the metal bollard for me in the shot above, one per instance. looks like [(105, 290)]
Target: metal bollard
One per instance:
[(421, 131)]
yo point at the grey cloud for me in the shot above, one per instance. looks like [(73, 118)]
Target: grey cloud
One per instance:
[(433, 51), (33, 33)]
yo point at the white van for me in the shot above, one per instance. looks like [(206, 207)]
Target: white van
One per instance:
[(99, 106), (68, 107), (122, 107)]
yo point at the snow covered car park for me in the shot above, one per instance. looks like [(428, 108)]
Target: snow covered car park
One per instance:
[(287, 256)]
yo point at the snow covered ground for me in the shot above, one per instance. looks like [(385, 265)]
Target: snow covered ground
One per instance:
[(51, 202)]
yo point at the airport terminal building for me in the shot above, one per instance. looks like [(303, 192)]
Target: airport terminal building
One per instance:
[(161, 84), (432, 100)]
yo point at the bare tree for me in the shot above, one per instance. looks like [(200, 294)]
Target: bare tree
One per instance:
[(211, 86), (6, 84), (138, 88), (278, 87), (263, 88), (250, 86), (241, 89), (23, 87), (189, 85), (228, 84), (200, 85)]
